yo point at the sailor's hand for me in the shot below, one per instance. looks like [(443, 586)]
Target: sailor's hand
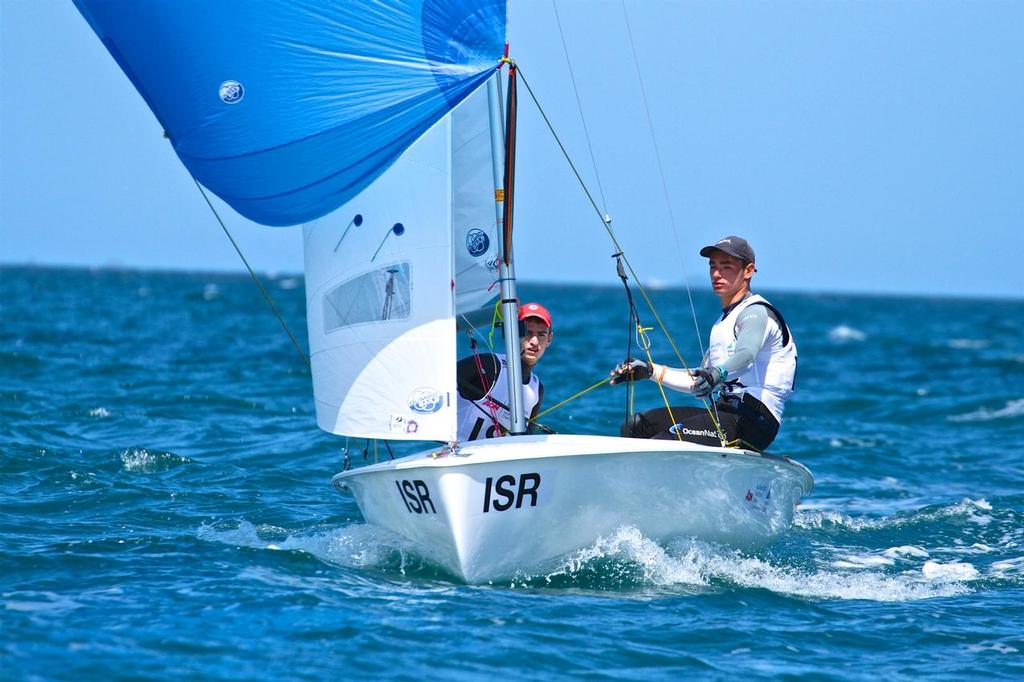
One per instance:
[(630, 370), (705, 380)]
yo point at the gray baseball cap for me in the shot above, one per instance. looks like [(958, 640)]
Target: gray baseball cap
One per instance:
[(737, 247)]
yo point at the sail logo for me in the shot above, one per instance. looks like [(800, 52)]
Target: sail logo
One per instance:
[(425, 400), (231, 92), (477, 242)]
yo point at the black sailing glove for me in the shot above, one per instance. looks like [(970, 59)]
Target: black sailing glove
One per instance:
[(630, 370), (705, 380)]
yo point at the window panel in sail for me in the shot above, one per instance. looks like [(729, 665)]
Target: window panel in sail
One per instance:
[(375, 296)]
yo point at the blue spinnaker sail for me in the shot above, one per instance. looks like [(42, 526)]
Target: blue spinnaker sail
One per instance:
[(287, 109)]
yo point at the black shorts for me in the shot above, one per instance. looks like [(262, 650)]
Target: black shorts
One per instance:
[(747, 420)]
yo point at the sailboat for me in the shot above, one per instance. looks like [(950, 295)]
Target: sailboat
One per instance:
[(387, 131)]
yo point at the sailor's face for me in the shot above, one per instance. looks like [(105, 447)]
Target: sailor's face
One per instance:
[(729, 274), (536, 340)]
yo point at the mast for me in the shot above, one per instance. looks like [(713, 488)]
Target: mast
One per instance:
[(506, 270)]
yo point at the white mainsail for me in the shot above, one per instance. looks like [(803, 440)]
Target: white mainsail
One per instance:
[(386, 275)]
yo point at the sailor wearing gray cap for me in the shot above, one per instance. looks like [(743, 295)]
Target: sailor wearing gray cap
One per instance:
[(751, 361), (737, 247)]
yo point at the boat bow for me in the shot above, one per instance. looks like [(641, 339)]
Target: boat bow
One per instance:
[(491, 510)]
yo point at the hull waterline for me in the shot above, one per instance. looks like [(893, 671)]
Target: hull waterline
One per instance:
[(508, 506)]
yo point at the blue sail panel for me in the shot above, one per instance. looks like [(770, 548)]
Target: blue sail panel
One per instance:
[(287, 109)]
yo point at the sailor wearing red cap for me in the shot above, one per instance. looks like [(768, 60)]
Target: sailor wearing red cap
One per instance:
[(483, 385), (751, 360)]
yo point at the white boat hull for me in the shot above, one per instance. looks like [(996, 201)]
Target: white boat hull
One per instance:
[(516, 505)]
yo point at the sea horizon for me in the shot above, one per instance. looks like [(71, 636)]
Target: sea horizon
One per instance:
[(654, 285)]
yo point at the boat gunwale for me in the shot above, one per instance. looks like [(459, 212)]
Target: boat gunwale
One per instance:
[(441, 457)]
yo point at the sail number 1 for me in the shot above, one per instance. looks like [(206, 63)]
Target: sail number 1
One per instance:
[(502, 493), (416, 496)]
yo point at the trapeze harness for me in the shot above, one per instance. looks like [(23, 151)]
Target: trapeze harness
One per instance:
[(771, 378), (481, 418)]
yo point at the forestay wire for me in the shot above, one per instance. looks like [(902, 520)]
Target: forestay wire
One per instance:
[(579, 108), (604, 222), (634, 319), (661, 174)]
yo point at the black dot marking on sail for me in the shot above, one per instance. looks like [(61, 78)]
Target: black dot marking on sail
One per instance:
[(398, 229), (357, 221)]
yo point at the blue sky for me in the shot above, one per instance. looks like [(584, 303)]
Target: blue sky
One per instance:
[(860, 146)]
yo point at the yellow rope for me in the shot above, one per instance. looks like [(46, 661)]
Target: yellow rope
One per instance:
[(588, 389), (645, 343), (494, 324), (707, 406)]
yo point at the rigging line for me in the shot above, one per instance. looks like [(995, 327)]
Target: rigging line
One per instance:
[(588, 389), (739, 442), (661, 173), (618, 247), (629, 353), (607, 226), (484, 383), (579, 107), (565, 153), (266, 295), (475, 333), (634, 322), (644, 342), (493, 414)]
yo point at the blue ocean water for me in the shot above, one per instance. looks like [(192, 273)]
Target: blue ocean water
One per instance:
[(165, 507)]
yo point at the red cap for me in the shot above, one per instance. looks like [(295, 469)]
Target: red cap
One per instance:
[(535, 310)]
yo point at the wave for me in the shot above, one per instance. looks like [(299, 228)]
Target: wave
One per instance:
[(627, 560), (952, 571), (140, 460), (38, 601), (814, 519), (1008, 568), (846, 334), (1012, 408), (700, 566), (813, 565), (359, 546), (968, 344)]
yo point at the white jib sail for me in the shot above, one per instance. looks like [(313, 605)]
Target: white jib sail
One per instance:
[(382, 276)]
